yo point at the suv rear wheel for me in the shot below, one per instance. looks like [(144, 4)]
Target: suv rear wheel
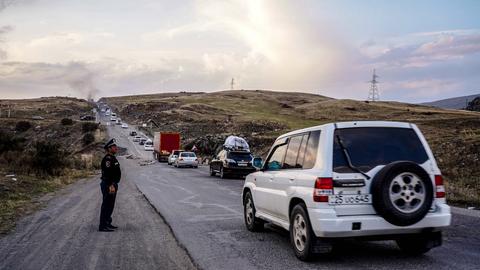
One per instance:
[(301, 233), (253, 223), (419, 244)]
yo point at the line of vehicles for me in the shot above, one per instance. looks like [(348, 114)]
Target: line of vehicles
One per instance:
[(367, 180)]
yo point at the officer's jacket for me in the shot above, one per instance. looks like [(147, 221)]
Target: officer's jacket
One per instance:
[(110, 169)]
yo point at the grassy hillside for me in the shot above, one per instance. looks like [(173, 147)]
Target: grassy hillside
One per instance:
[(40, 153), (205, 119)]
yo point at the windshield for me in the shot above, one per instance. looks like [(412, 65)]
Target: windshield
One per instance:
[(240, 156), (373, 146), (187, 154)]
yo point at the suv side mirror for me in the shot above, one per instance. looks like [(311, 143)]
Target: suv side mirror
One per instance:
[(257, 163)]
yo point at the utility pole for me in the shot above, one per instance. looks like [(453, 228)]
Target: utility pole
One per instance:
[(373, 94), (232, 84)]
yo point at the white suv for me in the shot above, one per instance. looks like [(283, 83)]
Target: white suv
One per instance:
[(369, 179)]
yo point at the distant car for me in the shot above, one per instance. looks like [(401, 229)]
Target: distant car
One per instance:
[(124, 125), (87, 118), (137, 138), (107, 113), (113, 118), (148, 145), (133, 133), (118, 122), (232, 163), (173, 156), (186, 159), (142, 141)]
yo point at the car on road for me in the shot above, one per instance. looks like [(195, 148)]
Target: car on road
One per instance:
[(173, 156), (124, 125), (133, 133), (186, 159), (118, 121), (232, 163), (148, 146), (137, 138), (142, 141), (368, 179)]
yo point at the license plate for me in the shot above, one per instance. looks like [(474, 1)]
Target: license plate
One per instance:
[(350, 199), (242, 164)]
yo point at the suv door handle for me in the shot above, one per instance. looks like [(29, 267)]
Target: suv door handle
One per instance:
[(291, 179)]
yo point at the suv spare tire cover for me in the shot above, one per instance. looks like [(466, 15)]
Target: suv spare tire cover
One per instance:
[(402, 193)]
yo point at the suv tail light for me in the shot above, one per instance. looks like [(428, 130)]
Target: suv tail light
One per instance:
[(439, 187), (323, 188)]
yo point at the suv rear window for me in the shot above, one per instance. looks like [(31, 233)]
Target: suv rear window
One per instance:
[(373, 146), (239, 156)]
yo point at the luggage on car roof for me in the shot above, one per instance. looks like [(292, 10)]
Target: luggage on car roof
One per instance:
[(236, 143)]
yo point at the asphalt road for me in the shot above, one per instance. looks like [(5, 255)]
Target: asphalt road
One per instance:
[(205, 214)]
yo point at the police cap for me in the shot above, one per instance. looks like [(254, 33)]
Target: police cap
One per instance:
[(110, 143)]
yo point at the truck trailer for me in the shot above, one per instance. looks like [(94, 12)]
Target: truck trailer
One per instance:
[(164, 143)]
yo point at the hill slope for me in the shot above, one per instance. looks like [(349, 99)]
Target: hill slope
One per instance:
[(205, 119), (452, 103)]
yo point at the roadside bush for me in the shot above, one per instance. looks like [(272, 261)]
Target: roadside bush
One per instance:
[(23, 126), (9, 142), (67, 122), (88, 138), (48, 158), (89, 127)]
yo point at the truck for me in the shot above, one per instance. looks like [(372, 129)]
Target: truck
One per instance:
[(164, 143)]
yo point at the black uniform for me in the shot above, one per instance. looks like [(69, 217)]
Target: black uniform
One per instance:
[(111, 175)]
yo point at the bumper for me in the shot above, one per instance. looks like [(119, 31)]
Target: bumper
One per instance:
[(238, 171), (188, 163), (325, 223)]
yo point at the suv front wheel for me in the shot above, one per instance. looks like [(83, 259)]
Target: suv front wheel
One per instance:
[(253, 223)]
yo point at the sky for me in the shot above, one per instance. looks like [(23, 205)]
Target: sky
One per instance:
[(422, 50)]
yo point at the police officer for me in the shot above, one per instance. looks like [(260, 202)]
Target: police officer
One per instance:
[(110, 177)]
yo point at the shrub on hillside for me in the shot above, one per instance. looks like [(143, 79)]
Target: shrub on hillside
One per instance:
[(67, 122), (48, 158), (9, 142), (23, 126), (89, 127), (88, 138)]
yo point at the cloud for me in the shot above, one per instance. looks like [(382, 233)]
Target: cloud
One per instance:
[(439, 46), (3, 31), (75, 78)]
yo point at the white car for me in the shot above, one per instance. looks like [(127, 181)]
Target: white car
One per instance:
[(148, 146), (351, 179), (124, 125), (173, 156), (186, 159), (137, 138)]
